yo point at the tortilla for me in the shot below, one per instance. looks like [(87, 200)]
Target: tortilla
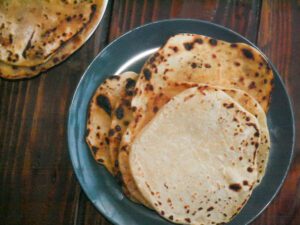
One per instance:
[(201, 59), (10, 71), (195, 161), (31, 31), (244, 99), (100, 113)]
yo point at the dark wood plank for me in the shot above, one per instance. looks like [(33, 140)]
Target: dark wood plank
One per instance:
[(241, 16), (88, 214), (37, 184), (279, 38)]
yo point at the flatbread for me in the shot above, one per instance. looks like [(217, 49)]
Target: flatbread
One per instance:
[(198, 59), (201, 59), (100, 113), (9, 71), (120, 119), (139, 122), (31, 31), (192, 162)]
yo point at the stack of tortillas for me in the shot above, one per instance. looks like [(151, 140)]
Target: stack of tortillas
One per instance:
[(35, 35), (189, 135)]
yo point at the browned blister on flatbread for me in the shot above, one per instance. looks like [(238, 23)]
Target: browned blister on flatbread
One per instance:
[(100, 116)]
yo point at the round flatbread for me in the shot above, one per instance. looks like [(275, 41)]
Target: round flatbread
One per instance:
[(195, 162), (201, 59), (31, 31), (139, 122), (10, 71)]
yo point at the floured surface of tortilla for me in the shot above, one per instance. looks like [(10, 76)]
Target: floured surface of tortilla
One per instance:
[(100, 113), (10, 71), (195, 161), (201, 59)]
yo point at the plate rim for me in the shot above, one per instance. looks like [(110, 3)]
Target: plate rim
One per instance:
[(208, 23)]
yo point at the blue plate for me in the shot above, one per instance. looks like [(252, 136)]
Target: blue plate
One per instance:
[(129, 52)]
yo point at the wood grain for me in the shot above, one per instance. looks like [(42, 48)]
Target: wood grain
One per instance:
[(279, 38), (241, 16), (37, 184)]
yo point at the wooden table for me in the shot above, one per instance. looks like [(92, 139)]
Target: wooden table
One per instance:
[(37, 184)]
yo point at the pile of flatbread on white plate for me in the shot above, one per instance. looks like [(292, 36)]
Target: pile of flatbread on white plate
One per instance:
[(188, 136), (35, 35)]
